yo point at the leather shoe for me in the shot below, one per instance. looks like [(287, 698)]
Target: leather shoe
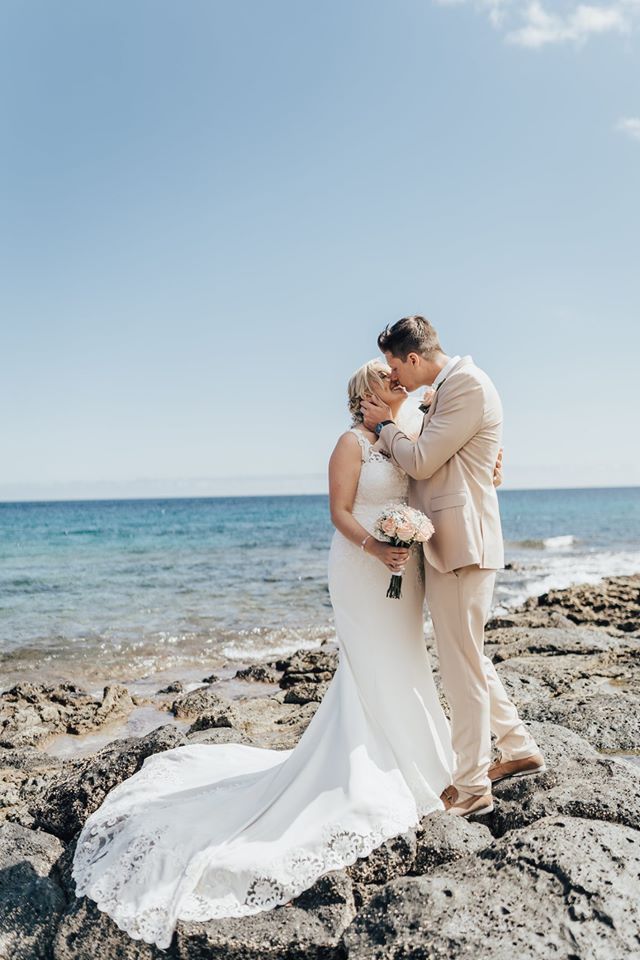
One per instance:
[(526, 767), (449, 796), (472, 806)]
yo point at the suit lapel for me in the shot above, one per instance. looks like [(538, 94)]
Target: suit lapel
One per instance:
[(432, 409)]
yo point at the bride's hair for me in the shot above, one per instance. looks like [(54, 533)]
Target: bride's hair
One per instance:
[(363, 381)]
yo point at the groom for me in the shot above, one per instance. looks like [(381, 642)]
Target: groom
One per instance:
[(451, 468)]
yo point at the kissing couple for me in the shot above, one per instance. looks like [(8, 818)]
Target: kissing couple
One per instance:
[(204, 831)]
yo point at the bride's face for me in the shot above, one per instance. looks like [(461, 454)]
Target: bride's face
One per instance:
[(388, 390)]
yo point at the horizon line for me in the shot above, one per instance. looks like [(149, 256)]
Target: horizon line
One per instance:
[(271, 496)]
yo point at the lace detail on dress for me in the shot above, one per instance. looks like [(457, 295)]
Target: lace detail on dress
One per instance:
[(287, 878), (108, 886), (368, 454), (381, 482), (277, 883)]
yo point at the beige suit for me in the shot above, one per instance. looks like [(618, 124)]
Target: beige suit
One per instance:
[(451, 468)]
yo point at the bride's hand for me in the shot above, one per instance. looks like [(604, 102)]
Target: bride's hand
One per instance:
[(394, 558)]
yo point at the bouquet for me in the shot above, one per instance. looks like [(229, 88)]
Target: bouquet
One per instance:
[(402, 526)]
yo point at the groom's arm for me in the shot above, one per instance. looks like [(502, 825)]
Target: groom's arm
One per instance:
[(455, 420)]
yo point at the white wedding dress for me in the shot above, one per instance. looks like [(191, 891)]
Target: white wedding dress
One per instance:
[(208, 830)]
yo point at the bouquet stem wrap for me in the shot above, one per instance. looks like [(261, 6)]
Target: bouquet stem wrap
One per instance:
[(395, 584)]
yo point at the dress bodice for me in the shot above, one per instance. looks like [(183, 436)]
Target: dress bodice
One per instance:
[(381, 482)]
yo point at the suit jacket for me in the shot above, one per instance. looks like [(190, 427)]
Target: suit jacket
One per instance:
[(451, 467)]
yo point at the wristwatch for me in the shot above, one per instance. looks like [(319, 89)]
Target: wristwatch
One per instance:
[(378, 427)]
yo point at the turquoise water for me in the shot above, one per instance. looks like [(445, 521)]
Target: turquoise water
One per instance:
[(119, 589)]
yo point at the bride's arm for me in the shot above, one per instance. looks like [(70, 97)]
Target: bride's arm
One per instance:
[(344, 474)]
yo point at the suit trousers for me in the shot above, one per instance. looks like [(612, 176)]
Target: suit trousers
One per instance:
[(459, 602)]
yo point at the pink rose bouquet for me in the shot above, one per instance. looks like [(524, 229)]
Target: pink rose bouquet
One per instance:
[(402, 526)]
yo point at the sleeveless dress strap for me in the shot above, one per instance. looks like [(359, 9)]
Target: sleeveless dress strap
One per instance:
[(364, 443)]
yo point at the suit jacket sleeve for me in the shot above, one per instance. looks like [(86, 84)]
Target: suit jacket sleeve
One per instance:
[(455, 420)]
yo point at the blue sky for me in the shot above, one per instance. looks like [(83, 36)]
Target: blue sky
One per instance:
[(210, 209)]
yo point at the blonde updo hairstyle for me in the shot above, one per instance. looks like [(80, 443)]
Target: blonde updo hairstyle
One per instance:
[(364, 381)]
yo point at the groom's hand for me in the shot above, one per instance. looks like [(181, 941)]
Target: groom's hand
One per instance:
[(373, 411), (497, 470)]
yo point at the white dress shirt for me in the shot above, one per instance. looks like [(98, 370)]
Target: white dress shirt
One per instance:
[(444, 373)]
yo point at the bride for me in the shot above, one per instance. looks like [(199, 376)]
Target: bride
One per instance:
[(226, 830)]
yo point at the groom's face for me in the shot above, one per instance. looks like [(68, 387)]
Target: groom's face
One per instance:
[(404, 372)]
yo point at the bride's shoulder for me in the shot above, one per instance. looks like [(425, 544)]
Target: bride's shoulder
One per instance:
[(352, 443), (349, 440), (357, 435)]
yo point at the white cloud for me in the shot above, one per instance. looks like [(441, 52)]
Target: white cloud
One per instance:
[(540, 27), (534, 24), (630, 126)]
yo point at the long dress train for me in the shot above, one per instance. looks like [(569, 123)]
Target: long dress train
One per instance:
[(228, 830)]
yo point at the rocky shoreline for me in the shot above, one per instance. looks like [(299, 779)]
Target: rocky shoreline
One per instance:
[(553, 872)]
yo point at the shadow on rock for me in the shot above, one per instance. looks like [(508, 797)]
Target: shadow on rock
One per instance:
[(31, 899)]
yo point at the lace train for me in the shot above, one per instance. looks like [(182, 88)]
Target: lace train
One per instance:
[(280, 881)]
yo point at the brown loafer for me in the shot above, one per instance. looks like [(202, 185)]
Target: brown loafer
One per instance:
[(472, 806), (526, 767), (449, 796)]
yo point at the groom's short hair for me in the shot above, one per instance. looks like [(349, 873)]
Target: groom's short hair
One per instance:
[(410, 335)]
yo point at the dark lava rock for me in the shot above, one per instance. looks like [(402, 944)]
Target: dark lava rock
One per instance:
[(563, 888), (24, 775), (540, 677), (614, 603), (31, 899), (207, 721), (306, 693), (85, 933), (553, 641), (394, 858), (522, 688), (529, 617), (83, 784), (215, 735), (212, 678), (115, 705), (307, 667), (441, 838), (310, 929), (31, 713), (204, 700), (607, 721), (176, 687), (579, 782), (258, 673)]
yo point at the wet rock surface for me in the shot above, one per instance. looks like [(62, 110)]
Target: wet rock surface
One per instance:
[(31, 713), (554, 871)]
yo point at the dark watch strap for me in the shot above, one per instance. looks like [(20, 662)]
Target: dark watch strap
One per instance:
[(379, 426)]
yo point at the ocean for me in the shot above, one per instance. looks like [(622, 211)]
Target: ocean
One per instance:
[(125, 590)]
